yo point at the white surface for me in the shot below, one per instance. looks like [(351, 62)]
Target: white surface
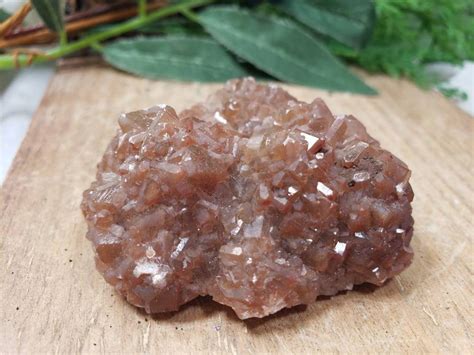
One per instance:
[(10, 5), (458, 78), (22, 96), (465, 79), (17, 105)]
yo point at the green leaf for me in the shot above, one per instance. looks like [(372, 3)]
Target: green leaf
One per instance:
[(412, 33), (280, 48), (51, 13), (348, 21), (173, 57), (3, 15)]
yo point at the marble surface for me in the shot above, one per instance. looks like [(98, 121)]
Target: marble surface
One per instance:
[(21, 92), (19, 98)]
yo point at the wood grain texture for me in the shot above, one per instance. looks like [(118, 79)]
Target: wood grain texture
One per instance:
[(53, 300)]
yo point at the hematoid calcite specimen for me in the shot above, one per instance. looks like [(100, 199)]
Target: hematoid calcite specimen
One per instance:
[(253, 197)]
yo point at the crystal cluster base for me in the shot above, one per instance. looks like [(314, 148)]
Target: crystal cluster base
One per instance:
[(253, 197)]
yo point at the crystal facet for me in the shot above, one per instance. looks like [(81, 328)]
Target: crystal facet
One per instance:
[(253, 197)]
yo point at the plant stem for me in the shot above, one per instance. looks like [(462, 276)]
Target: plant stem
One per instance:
[(11, 61), (97, 46), (62, 38), (190, 15), (142, 8)]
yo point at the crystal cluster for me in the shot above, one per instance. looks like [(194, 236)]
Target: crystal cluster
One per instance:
[(253, 197)]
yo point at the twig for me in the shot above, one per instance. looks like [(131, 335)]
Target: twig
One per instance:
[(8, 62), (95, 11), (15, 19), (43, 35), (30, 53)]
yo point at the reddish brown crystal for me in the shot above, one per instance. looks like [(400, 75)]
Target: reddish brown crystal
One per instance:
[(253, 197)]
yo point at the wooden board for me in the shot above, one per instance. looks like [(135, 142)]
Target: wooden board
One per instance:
[(53, 300)]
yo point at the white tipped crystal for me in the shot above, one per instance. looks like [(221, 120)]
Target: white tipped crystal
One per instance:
[(159, 278), (340, 248), (179, 247), (280, 261), (282, 200), (150, 252), (254, 278), (361, 176), (360, 235), (264, 193), (292, 190), (312, 141), (255, 142), (145, 267), (237, 251), (325, 190), (218, 117), (237, 228), (254, 229)]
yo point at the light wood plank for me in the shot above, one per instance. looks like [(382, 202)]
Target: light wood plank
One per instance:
[(53, 300)]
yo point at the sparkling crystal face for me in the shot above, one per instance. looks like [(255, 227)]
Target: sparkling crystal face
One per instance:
[(253, 197)]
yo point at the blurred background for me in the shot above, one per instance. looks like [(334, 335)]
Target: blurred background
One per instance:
[(436, 35)]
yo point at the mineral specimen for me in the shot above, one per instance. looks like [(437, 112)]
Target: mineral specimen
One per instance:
[(253, 197)]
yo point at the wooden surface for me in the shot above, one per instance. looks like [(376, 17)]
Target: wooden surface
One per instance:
[(53, 300)]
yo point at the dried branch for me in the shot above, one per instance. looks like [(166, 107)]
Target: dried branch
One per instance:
[(20, 59), (15, 20), (75, 23)]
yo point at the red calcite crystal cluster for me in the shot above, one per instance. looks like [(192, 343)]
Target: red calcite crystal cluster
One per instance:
[(253, 197)]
